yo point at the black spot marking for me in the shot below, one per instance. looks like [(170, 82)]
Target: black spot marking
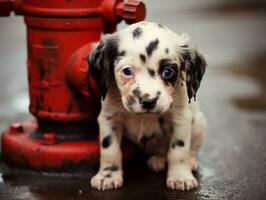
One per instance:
[(161, 26), (178, 142), (158, 93), (142, 58), (131, 100), (137, 32), (106, 142), (145, 96), (122, 53), (151, 72), (153, 45), (184, 46), (167, 63), (112, 168), (136, 92), (109, 117), (166, 50), (114, 128), (108, 176)]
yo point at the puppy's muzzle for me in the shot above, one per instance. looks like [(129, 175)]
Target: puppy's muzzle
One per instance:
[(148, 103)]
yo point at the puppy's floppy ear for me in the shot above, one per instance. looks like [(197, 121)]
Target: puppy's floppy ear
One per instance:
[(194, 65), (101, 62)]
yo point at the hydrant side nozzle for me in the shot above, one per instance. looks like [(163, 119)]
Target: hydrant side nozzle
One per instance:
[(131, 11), (78, 75)]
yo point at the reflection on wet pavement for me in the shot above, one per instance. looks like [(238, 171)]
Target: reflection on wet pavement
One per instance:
[(254, 67), (233, 157)]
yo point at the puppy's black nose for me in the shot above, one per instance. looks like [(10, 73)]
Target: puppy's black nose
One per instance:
[(148, 103)]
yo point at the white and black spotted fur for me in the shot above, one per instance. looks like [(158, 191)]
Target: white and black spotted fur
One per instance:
[(147, 75)]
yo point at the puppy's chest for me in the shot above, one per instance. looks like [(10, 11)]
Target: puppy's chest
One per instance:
[(138, 127)]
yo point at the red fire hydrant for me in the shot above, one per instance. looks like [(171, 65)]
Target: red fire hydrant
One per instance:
[(63, 97)]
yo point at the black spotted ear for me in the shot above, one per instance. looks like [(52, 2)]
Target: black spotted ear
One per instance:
[(101, 62), (194, 65)]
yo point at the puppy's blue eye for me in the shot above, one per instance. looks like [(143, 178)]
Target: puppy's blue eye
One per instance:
[(167, 73), (128, 71)]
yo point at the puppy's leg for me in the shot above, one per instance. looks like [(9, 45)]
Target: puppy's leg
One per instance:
[(198, 133), (157, 150), (110, 174), (157, 163), (179, 175)]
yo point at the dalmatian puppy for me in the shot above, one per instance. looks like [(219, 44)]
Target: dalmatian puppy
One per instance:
[(148, 75)]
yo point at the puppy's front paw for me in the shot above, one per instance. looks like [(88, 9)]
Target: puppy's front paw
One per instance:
[(106, 180), (156, 163), (181, 180)]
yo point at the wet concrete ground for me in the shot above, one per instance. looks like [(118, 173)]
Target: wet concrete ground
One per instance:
[(233, 157)]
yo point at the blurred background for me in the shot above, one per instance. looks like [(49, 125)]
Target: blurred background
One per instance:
[(232, 35)]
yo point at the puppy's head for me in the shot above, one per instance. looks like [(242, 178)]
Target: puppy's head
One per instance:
[(147, 61)]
